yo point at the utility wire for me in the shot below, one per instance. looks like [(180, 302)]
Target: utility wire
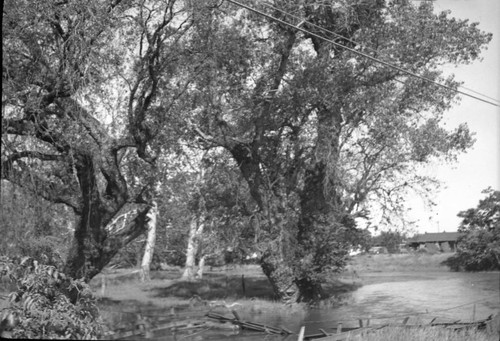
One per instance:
[(303, 21), (358, 52)]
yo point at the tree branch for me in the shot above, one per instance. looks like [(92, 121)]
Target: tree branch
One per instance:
[(48, 190)]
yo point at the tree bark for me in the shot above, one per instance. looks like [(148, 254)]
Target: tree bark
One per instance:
[(150, 243), (97, 237), (201, 266), (195, 230), (281, 277)]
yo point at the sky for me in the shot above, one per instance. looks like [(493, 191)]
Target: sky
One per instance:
[(463, 181)]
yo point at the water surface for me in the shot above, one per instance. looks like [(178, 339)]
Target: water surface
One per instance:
[(446, 296)]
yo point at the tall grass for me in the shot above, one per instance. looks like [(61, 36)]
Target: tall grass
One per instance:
[(424, 334)]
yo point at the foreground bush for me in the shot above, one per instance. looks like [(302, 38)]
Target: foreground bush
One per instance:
[(479, 248), (47, 304)]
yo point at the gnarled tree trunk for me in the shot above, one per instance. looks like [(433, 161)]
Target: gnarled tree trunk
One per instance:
[(97, 238)]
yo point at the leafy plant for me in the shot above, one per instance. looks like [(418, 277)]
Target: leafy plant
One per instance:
[(47, 304)]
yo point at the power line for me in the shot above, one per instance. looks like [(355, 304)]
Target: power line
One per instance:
[(358, 52), (303, 21)]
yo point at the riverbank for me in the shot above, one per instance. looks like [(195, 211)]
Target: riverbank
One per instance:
[(243, 287), (247, 283), (124, 299), (369, 269), (247, 287)]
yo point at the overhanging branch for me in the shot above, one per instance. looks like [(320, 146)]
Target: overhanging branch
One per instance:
[(49, 190)]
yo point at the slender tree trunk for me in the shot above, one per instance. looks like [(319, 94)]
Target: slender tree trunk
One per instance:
[(195, 231), (201, 266), (150, 243)]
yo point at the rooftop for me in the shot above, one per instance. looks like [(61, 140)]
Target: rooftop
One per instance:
[(435, 237)]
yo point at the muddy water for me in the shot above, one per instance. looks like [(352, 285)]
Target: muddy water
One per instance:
[(446, 296)]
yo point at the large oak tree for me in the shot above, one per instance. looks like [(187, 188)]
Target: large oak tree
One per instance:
[(88, 88), (319, 132)]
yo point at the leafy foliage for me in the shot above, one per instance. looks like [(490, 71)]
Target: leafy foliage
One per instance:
[(41, 306), (479, 248), (39, 230)]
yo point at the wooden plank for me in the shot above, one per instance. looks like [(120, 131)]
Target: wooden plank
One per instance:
[(236, 316), (339, 330), (248, 325), (301, 333), (260, 327), (324, 332)]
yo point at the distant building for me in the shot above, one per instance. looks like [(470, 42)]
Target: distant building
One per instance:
[(442, 241)]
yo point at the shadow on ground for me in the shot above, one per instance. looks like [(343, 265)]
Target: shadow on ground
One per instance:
[(218, 286)]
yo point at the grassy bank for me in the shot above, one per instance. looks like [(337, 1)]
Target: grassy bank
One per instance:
[(166, 290), (247, 284), (409, 262), (424, 334), (123, 297)]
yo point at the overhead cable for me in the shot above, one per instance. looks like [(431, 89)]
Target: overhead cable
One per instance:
[(303, 21), (298, 28)]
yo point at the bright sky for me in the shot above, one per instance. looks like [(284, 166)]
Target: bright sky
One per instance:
[(480, 167)]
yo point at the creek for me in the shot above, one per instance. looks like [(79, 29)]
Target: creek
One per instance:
[(391, 297)]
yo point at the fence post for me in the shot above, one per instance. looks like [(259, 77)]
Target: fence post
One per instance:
[(243, 285)]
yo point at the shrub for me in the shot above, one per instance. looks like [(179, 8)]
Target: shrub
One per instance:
[(479, 247), (47, 304)]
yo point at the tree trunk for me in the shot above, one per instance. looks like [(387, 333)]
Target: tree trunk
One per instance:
[(86, 258), (98, 237), (201, 266), (195, 231), (150, 243), (281, 277), (88, 235)]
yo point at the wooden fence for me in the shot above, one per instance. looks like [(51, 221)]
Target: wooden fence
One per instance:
[(144, 329)]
